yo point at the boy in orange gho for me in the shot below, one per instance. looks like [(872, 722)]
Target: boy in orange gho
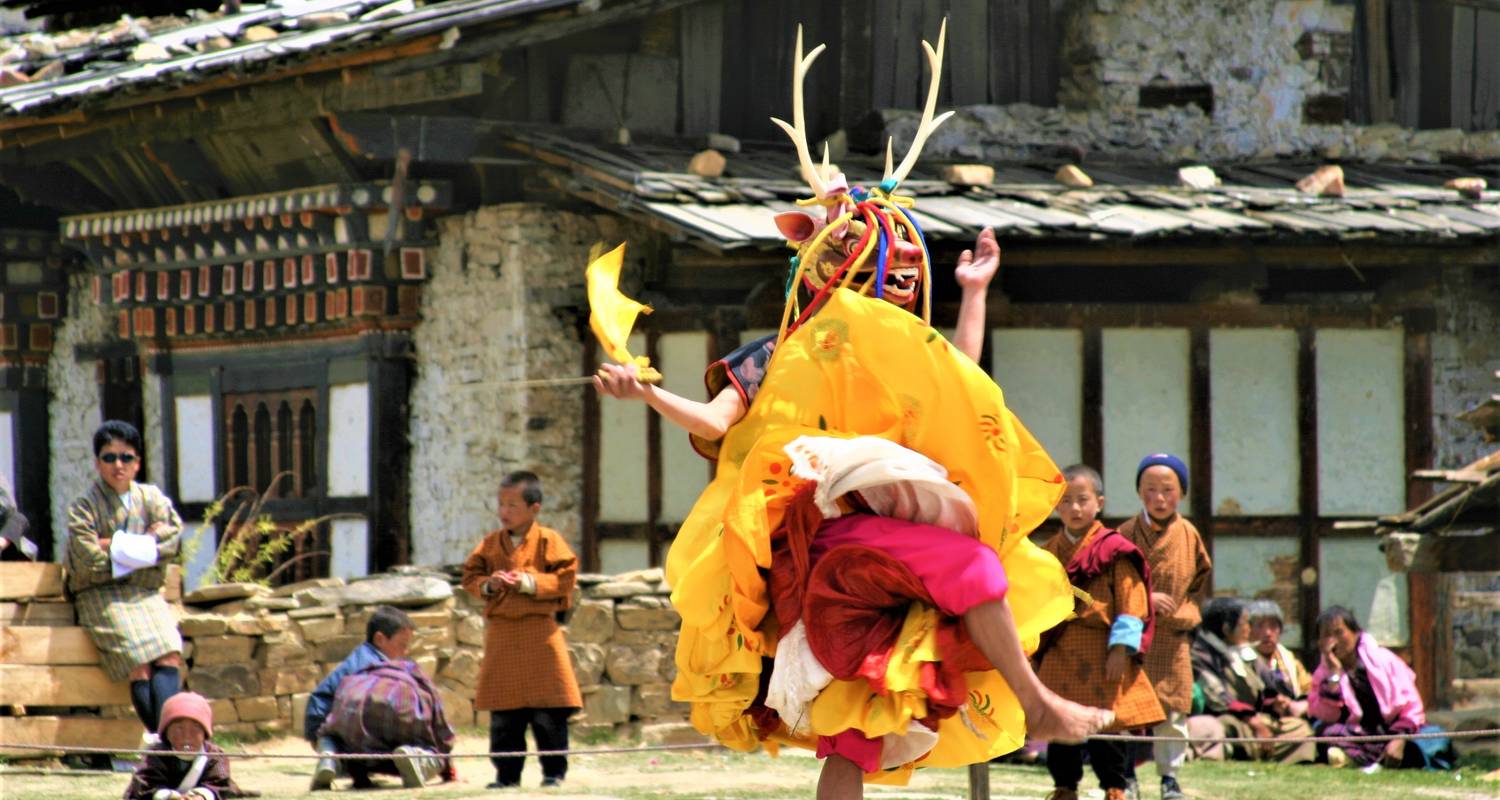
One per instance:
[(1179, 567), (1095, 658), (525, 573)]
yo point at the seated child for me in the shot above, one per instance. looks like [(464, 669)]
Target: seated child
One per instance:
[(376, 701), (184, 764)]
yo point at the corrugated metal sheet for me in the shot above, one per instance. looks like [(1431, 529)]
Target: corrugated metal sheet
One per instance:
[(1017, 204), (370, 22)]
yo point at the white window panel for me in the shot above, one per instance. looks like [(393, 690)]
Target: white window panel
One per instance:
[(1261, 566), (1146, 408), (683, 357), (1349, 571), (195, 449), (350, 542), (623, 555), (1041, 373), (349, 440), (1253, 402), (1361, 422), (623, 481)]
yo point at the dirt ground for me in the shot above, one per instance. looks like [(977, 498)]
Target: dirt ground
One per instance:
[(725, 775)]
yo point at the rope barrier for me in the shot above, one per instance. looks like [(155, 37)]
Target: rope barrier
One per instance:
[(592, 751)]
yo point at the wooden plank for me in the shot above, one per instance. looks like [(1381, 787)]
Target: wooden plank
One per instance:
[(701, 36), (1484, 601), (68, 732), (1449, 475), (855, 77), (46, 646), (59, 686), (968, 69), (52, 614), (1485, 114), (882, 54), (1461, 68), (23, 580)]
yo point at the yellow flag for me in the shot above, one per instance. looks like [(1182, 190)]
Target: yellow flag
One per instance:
[(612, 314)]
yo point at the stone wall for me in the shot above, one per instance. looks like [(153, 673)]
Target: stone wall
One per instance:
[(257, 653), (74, 405), (495, 311), (1181, 80), (1465, 360)]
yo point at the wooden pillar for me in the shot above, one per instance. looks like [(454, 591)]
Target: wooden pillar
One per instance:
[(1200, 441), (1424, 609), (1307, 495), (1092, 431), (653, 461), (589, 525)]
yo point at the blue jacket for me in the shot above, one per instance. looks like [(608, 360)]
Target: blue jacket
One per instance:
[(320, 702)]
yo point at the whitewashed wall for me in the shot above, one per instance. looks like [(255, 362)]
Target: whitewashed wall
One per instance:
[(1041, 373), (1361, 422), (1253, 405), (1146, 408), (489, 315), (73, 409)]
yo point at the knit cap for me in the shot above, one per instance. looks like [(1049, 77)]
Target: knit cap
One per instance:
[(187, 705), (1163, 460)]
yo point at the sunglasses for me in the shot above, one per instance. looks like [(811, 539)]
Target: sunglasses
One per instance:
[(123, 458)]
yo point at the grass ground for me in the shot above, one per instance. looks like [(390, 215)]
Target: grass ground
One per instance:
[(733, 776)]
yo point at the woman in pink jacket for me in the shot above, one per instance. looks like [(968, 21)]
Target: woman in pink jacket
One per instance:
[(1363, 689)]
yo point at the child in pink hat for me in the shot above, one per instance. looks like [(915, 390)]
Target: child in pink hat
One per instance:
[(185, 765)]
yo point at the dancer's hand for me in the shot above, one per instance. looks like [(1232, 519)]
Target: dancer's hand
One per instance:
[(616, 380), (977, 267)]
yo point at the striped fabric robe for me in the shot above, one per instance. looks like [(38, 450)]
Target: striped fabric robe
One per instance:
[(1179, 567), (127, 617)]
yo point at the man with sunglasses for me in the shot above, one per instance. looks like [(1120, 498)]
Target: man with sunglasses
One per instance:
[(121, 536)]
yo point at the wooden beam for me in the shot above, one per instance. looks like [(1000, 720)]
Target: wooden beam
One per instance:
[(49, 613), (1309, 547), (256, 106), (1200, 440), (68, 732), (1456, 554), (59, 686), (23, 580), (1417, 377), (47, 646)]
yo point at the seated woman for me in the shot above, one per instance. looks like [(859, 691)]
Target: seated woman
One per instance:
[(1363, 689), (1224, 666), (121, 534)]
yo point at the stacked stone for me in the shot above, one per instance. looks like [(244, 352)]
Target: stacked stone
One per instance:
[(623, 635), (257, 653)]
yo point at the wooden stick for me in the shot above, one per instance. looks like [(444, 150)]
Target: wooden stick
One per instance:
[(526, 384)]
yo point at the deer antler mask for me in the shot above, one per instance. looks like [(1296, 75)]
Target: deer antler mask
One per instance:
[(865, 238)]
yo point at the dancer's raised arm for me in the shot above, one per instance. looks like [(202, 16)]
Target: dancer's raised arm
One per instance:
[(976, 268), (709, 420)]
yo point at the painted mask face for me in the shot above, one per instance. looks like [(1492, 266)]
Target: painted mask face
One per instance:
[(859, 238)]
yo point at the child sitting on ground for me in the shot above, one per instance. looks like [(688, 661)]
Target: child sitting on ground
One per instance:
[(184, 764)]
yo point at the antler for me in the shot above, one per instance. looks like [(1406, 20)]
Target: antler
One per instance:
[(928, 124), (798, 132)]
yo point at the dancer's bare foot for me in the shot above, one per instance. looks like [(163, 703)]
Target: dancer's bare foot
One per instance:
[(1052, 719)]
